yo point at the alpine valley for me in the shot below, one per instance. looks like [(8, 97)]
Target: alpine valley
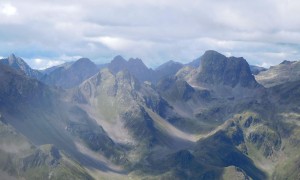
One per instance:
[(216, 117)]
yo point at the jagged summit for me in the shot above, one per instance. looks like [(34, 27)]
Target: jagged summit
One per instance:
[(136, 60), (17, 62), (20, 65), (135, 66), (204, 122), (212, 57), (12, 57), (217, 69)]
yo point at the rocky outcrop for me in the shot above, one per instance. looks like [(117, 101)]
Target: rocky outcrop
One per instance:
[(217, 69), (287, 71), (16, 87), (20, 65)]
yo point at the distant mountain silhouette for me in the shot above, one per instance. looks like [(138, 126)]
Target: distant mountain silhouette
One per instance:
[(71, 75), (19, 64)]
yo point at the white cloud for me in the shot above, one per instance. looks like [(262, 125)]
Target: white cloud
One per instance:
[(264, 64), (52, 63), (113, 42), (153, 30), (8, 9), (38, 61), (121, 44), (40, 64), (69, 58), (43, 63)]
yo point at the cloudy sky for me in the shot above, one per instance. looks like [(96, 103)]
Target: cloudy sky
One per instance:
[(49, 32)]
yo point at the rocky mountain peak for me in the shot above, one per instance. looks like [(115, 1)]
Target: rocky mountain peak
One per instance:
[(17, 62), (83, 62), (286, 71), (213, 60), (117, 64), (137, 63), (136, 67), (20, 65), (169, 64), (71, 75), (217, 69), (118, 59), (12, 57)]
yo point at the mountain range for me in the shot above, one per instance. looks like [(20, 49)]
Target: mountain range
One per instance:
[(214, 118), (20, 65)]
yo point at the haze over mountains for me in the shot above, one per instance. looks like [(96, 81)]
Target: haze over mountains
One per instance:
[(19, 64), (284, 72), (213, 118)]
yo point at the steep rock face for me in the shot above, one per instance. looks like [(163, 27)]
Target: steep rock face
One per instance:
[(15, 87), (245, 145), (120, 98), (138, 69), (72, 75), (199, 94), (20, 65), (287, 71), (186, 102), (117, 64), (217, 69), (43, 116)]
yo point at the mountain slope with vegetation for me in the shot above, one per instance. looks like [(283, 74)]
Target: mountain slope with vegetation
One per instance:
[(213, 121)]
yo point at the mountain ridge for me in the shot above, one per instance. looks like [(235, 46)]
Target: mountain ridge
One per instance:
[(71, 75), (210, 122), (19, 64)]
